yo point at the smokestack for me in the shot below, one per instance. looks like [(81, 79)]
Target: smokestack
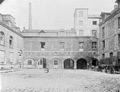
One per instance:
[(30, 17)]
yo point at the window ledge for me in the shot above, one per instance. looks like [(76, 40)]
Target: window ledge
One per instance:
[(81, 50), (42, 49), (2, 44)]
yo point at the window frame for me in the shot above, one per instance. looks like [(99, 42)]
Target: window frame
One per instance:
[(29, 62), (81, 32), (94, 45), (55, 62), (62, 45), (118, 22), (81, 13), (2, 36), (81, 43), (94, 33), (42, 45), (94, 22), (11, 42)]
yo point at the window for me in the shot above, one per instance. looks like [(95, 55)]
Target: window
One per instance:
[(2, 38), (29, 62), (42, 45), (94, 33), (80, 13), (111, 55), (103, 56), (2, 57), (55, 62), (81, 23), (94, 45), (118, 22), (94, 22), (41, 61), (119, 40), (118, 56), (11, 42), (81, 32), (81, 45), (62, 45), (103, 42), (103, 32)]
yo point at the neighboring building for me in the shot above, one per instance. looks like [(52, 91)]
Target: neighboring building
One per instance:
[(11, 42), (58, 49), (84, 24), (109, 47)]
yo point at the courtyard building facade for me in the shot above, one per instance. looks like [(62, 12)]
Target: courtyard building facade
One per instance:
[(58, 51), (109, 39), (54, 49)]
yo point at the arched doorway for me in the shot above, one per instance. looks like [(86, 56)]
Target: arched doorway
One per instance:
[(43, 62), (94, 62), (68, 64), (81, 64)]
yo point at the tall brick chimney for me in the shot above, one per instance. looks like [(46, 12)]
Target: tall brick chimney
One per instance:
[(30, 17)]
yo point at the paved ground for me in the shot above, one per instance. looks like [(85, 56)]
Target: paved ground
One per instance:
[(32, 80)]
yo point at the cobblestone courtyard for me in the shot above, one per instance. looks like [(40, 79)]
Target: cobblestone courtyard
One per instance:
[(33, 80)]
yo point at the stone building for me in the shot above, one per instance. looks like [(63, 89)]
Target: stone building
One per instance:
[(58, 49), (55, 49), (85, 24), (110, 36), (11, 41)]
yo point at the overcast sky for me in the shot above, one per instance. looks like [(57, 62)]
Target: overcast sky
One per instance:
[(52, 14)]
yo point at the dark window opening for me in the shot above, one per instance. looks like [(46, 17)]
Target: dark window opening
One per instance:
[(103, 44), (94, 22), (119, 40), (94, 33), (55, 62), (29, 62), (11, 42), (94, 45), (103, 56), (81, 45), (118, 22), (42, 45), (41, 62), (111, 54), (118, 56), (103, 32), (2, 38)]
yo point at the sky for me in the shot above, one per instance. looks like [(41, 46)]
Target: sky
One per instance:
[(52, 14)]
